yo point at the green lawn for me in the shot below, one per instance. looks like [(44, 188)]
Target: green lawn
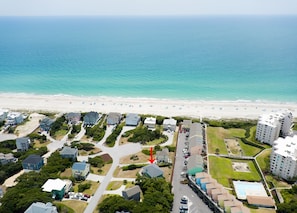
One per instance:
[(114, 185), (221, 170), (263, 159), (249, 150), (216, 136)]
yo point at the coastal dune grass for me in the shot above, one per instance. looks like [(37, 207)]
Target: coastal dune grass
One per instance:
[(221, 170)]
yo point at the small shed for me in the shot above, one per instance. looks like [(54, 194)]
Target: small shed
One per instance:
[(132, 193)]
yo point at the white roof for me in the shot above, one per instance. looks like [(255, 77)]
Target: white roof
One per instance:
[(272, 119), (2, 111), (53, 184), (14, 114), (150, 120), (286, 147), (169, 121)]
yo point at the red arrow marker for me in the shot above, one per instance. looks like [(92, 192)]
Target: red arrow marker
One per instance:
[(152, 158)]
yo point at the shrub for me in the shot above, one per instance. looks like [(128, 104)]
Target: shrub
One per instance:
[(83, 187)]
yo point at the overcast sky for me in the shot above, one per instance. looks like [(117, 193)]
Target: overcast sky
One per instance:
[(145, 7)]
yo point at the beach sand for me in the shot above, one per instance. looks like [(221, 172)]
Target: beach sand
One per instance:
[(164, 107)]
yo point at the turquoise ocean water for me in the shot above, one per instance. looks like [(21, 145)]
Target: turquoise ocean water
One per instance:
[(209, 58)]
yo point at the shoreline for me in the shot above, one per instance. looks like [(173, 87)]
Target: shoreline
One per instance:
[(244, 109)]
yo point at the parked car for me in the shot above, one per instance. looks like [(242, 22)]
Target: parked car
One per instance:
[(184, 200)]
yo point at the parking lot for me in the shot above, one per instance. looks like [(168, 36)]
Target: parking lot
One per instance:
[(194, 203)]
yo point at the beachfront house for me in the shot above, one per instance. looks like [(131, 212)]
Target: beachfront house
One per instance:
[(45, 124), (7, 158), (73, 117), (91, 118), (14, 118), (33, 163), (132, 119), (22, 144), (113, 118), (163, 156), (132, 193), (150, 122), (41, 208), (152, 171), (56, 187), (68, 152), (3, 114), (169, 124), (80, 170)]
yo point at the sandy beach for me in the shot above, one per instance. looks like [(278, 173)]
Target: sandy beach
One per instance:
[(165, 107)]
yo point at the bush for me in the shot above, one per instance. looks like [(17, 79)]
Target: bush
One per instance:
[(132, 167), (111, 139), (83, 187)]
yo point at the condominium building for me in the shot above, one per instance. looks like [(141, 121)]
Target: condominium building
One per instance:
[(283, 159), (272, 126)]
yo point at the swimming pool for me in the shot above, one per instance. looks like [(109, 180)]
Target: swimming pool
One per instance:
[(244, 188)]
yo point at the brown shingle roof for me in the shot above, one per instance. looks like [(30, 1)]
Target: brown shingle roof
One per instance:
[(260, 201)]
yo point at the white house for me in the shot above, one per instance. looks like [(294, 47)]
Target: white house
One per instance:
[(3, 114), (283, 159), (14, 118), (272, 126), (169, 124), (150, 122)]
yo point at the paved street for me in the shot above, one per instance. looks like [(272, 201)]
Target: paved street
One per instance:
[(195, 203)]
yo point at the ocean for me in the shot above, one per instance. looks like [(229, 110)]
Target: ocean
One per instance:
[(201, 58)]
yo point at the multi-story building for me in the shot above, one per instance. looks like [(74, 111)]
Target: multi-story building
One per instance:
[(272, 126), (283, 159)]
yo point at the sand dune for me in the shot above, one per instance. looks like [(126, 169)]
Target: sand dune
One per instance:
[(165, 107)]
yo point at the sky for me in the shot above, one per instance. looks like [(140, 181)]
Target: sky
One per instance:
[(146, 7)]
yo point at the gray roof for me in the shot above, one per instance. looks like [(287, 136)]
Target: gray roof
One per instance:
[(132, 119), (152, 170), (195, 161), (20, 141), (113, 117), (33, 159), (68, 151), (132, 191), (91, 117), (46, 121), (164, 152), (73, 115), (39, 207)]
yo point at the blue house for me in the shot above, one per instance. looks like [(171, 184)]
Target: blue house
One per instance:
[(45, 124), (33, 162)]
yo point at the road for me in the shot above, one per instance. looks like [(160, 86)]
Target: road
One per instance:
[(195, 203), (116, 153)]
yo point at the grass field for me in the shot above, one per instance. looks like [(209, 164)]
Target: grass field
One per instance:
[(114, 185), (90, 191), (77, 205), (221, 170), (263, 159), (216, 136), (249, 150)]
